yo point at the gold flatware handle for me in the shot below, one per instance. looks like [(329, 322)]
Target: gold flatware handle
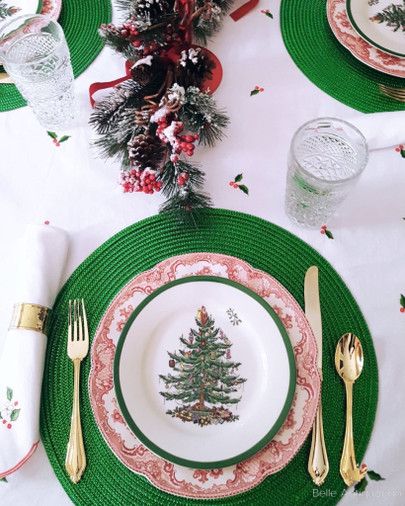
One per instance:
[(349, 470), (318, 463), (75, 462)]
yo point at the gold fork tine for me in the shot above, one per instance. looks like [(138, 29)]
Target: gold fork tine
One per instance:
[(85, 327)]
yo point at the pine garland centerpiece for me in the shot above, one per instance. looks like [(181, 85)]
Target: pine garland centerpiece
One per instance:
[(152, 121)]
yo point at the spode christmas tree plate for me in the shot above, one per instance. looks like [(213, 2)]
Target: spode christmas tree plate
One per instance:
[(360, 48), (204, 372), (380, 22), (173, 478)]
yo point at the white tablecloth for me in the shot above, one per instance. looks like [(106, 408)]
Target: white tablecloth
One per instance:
[(73, 189)]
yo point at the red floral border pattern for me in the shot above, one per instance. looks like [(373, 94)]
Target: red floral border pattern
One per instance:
[(172, 478)]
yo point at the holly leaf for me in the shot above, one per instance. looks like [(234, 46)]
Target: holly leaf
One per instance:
[(254, 92), (402, 300), (9, 393), (238, 178), (374, 476), (3, 479), (329, 234), (244, 188), (15, 414), (52, 134), (64, 138), (361, 486), (269, 15), (403, 153)]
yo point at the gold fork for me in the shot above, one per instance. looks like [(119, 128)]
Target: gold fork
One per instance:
[(77, 349), (394, 93)]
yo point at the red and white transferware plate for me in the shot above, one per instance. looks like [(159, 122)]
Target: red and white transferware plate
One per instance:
[(360, 48), (173, 478)]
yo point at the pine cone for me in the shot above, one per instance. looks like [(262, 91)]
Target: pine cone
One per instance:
[(144, 151)]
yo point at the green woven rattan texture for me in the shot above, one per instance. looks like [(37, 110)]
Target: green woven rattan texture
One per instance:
[(141, 246), (80, 21), (330, 66)]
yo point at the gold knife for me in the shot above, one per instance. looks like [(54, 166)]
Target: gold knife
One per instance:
[(318, 464)]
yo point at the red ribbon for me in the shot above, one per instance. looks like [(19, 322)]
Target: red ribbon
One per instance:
[(93, 88), (243, 10)]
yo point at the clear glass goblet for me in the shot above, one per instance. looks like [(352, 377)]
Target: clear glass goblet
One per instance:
[(34, 53), (326, 158)]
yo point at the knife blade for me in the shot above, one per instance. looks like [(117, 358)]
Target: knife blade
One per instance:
[(318, 463), (313, 309)]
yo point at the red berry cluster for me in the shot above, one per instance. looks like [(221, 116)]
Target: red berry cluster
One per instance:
[(183, 178), (233, 184), (169, 133), (402, 309), (399, 148), (8, 424), (129, 29), (56, 142), (140, 181), (323, 229)]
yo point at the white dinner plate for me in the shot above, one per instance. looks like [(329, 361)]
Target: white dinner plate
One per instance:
[(380, 22), (204, 372)]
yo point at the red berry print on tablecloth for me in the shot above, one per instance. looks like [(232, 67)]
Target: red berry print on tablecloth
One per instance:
[(400, 149), (267, 13), (257, 89), (56, 140), (402, 303), (325, 231), (9, 411), (236, 184)]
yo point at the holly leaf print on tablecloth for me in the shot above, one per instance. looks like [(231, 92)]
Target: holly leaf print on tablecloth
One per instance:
[(361, 486), (327, 232), (3, 479), (402, 303), (256, 90), (236, 184), (55, 140), (267, 13), (374, 476), (9, 394)]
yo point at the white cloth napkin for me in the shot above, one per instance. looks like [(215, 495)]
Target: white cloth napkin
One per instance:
[(381, 129), (42, 258)]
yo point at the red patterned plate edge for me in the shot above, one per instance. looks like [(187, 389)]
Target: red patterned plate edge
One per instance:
[(359, 46), (236, 485)]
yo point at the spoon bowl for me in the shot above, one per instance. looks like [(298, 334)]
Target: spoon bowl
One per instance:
[(349, 358)]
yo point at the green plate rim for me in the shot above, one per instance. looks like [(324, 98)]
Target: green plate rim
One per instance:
[(274, 428), (364, 36)]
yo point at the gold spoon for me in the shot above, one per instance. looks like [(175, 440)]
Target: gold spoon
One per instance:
[(349, 365)]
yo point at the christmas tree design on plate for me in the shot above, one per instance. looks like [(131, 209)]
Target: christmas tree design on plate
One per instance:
[(204, 380), (6, 10), (393, 16)]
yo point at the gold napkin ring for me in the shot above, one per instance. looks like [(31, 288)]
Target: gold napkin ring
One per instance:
[(29, 317)]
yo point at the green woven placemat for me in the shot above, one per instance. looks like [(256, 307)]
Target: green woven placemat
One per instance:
[(315, 50), (141, 246), (80, 21)]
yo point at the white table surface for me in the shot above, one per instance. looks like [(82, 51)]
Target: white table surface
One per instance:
[(73, 189)]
